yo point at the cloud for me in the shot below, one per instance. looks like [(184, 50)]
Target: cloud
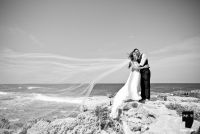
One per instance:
[(7, 51), (177, 63), (190, 47), (34, 39)]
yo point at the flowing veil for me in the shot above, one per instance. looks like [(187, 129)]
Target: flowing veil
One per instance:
[(75, 78)]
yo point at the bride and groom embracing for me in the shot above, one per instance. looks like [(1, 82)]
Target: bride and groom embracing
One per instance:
[(138, 80)]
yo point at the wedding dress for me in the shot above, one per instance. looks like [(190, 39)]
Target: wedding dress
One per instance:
[(129, 91)]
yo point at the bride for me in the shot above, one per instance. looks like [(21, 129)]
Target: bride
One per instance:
[(130, 91)]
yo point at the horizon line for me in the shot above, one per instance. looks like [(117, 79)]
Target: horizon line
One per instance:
[(94, 84)]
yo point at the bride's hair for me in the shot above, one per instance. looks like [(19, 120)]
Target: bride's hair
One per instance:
[(131, 57)]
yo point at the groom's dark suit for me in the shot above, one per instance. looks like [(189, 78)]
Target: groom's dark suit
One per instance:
[(145, 77)]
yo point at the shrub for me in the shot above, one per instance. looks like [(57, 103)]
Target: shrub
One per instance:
[(4, 123), (180, 108), (105, 122)]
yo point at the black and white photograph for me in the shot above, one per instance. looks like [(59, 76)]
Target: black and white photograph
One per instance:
[(99, 67)]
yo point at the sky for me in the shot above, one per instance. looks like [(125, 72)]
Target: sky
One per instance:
[(168, 31)]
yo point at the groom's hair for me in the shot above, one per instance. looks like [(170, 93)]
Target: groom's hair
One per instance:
[(135, 49)]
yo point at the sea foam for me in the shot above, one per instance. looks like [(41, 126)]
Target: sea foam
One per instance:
[(29, 88), (58, 99), (3, 93)]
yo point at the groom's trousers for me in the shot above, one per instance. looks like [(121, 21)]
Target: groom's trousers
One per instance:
[(145, 83)]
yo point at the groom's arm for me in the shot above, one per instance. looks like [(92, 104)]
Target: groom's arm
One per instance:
[(139, 67), (143, 60)]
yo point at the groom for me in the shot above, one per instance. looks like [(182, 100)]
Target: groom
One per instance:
[(145, 76)]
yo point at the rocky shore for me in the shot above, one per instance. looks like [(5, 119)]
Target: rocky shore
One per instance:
[(161, 115)]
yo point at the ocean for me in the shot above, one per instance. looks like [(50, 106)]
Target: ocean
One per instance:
[(98, 89), (65, 92), (22, 102), (103, 89)]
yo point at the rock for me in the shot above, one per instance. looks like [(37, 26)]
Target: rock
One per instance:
[(196, 132), (135, 117), (129, 105), (27, 126), (58, 126), (38, 128), (61, 126), (134, 105), (6, 131), (144, 128), (88, 122), (138, 118), (4, 123), (83, 108), (104, 132)]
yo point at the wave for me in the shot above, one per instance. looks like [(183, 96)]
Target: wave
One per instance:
[(3, 93), (29, 88), (58, 99), (41, 97)]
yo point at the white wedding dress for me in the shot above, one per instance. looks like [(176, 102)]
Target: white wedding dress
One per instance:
[(129, 91)]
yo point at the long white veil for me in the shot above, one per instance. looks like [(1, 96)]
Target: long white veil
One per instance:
[(78, 77)]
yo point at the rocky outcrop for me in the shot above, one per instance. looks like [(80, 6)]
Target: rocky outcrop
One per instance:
[(152, 117), (38, 128), (192, 93), (138, 119), (97, 121), (61, 126), (4, 123), (5, 126)]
